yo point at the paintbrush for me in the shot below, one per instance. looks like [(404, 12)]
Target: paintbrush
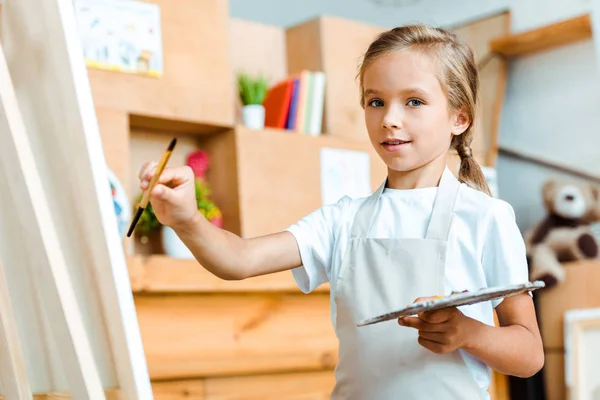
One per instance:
[(146, 197)]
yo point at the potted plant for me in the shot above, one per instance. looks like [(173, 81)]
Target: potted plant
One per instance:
[(252, 93), (172, 245)]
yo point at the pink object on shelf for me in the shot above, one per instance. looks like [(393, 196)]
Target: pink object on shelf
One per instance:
[(199, 162)]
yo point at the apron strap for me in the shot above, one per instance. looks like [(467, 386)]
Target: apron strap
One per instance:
[(443, 207), (441, 217), (364, 215)]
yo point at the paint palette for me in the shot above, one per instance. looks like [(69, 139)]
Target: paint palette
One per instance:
[(457, 299)]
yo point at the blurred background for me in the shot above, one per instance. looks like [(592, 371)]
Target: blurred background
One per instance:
[(263, 99)]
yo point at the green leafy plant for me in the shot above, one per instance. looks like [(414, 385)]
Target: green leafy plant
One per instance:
[(252, 90), (148, 222)]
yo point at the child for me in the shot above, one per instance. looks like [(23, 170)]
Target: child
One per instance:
[(422, 233)]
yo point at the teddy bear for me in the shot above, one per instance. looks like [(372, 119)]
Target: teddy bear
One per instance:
[(564, 234)]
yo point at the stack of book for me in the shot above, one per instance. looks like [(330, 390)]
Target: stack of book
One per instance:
[(296, 103)]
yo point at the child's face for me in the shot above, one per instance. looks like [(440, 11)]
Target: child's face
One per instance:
[(406, 111)]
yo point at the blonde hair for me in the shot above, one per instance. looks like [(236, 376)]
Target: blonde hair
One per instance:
[(458, 76)]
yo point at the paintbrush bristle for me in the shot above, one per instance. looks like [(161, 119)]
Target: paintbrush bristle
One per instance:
[(172, 144), (135, 220)]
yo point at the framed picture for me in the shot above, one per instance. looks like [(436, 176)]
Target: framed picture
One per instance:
[(582, 353)]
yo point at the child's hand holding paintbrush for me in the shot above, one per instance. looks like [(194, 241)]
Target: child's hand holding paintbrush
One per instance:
[(171, 191)]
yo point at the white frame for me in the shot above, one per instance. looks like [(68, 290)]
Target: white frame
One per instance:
[(576, 323)]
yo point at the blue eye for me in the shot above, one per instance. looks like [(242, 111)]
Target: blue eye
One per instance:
[(375, 103), (415, 103)]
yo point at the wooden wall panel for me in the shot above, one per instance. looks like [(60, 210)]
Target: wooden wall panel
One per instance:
[(214, 335), (197, 81), (290, 164)]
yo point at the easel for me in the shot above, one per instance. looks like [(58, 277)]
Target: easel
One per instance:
[(68, 325)]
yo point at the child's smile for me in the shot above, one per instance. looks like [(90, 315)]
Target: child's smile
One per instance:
[(393, 144)]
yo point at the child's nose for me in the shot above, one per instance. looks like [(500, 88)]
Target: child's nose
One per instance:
[(392, 120)]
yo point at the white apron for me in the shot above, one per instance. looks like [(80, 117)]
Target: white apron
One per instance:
[(384, 361)]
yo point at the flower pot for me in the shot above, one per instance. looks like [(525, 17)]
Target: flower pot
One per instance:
[(173, 246), (253, 116)]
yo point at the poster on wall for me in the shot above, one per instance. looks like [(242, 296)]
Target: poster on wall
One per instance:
[(344, 173), (121, 35)]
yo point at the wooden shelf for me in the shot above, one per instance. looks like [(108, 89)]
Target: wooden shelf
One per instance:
[(155, 123), (163, 274), (544, 38)]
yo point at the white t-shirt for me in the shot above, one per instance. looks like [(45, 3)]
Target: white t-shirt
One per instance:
[(485, 246)]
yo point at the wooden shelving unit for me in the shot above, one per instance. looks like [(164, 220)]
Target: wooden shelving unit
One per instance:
[(545, 38)]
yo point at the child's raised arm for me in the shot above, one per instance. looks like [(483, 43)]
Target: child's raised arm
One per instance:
[(222, 253)]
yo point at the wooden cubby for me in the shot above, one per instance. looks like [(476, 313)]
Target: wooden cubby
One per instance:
[(204, 337)]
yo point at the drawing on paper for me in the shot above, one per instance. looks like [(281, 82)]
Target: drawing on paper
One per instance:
[(121, 35)]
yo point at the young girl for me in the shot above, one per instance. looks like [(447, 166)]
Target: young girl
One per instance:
[(422, 233)]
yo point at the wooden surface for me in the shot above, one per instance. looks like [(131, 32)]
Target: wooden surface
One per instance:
[(163, 274), (256, 49), (579, 290), (187, 127), (216, 335), (296, 386), (554, 375), (197, 82), (285, 386), (47, 267), (288, 163), (85, 298), (335, 46), (544, 38)]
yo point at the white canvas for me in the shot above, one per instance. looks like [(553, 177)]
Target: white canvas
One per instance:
[(60, 246)]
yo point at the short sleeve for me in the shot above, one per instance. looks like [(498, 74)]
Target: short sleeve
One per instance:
[(504, 257), (315, 235)]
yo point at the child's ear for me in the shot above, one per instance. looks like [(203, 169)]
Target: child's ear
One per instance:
[(461, 123)]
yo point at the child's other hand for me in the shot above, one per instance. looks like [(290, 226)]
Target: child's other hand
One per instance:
[(441, 331), (174, 196)]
